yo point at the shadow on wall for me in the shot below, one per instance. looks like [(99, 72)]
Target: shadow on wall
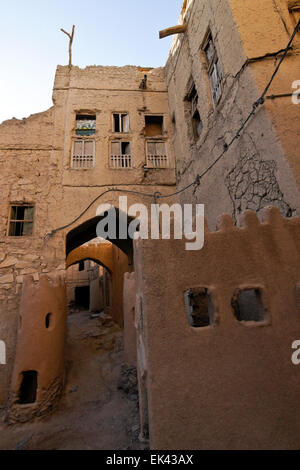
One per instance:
[(38, 374), (221, 335)]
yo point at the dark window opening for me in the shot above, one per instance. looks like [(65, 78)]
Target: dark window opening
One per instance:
[(125, 146), (82, 297), (85, 124), (48, 320), (81, 266), (248, 305), (197, 124), (214, 69), (28, 388), (199, 307), (154, 125), (20, 221), (121, 122)]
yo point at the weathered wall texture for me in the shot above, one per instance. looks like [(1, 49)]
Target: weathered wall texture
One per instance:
[(40, 345), (117, 263), (230, 385), (35, 156), (29, 174), (262, 166), (129, 297), (96, 295), (88, 277)]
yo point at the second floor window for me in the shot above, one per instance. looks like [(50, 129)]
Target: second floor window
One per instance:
[(157, 154), (153, 125), (20, 220), (120, 122), (120, 155), (214, 69), (197, 124), (83, 154), (85, 124)]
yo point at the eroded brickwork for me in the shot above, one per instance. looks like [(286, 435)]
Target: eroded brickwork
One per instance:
[(36, 169), (247, 39)]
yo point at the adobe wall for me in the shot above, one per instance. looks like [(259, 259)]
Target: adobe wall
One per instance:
[(30, 174), (103, 91), (129, 298), (261, 167), (96, 295), (113, 259), (40, 346), (230, 385), (272, 28), (35, 156)]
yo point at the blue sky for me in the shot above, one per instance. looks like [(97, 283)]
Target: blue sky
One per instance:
[(111, 32)]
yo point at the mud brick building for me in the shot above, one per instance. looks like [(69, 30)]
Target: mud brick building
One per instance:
[(210, 332)]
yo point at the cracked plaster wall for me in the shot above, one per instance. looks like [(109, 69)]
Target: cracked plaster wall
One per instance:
[(268, 143), (35, 168)]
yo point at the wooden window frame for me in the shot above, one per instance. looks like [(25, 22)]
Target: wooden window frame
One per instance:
[(116, 159), (83, 141), (192, 98), (121, 126), (213, 67), (157, 161), (10, 220), (92, 117)]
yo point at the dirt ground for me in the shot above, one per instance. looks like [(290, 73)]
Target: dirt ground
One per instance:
[(99, 407)]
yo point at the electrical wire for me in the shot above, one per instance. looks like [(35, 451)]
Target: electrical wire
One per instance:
[(155, 196)]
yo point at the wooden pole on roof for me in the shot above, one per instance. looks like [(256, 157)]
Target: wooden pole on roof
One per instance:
[(71, 37)]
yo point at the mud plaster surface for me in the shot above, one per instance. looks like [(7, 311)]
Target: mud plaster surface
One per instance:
[(93, 413)]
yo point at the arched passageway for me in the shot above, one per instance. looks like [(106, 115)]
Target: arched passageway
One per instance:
[(86, 231), (116, 255)]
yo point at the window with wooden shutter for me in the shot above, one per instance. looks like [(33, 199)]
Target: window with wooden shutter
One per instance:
[(83, 154), (120, 155), (120, 122), (196, 120), (214, 69), (157, 154), (20, 220)]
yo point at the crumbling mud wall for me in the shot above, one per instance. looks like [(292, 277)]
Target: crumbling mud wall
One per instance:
[(261, 167), (129, 296), (117, 263), (29, 174), (38, 374), (215, 334), (36, 169)]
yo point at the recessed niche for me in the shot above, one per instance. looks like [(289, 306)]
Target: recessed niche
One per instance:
[(199, 307), (28, 387), (248, 305), (48, 320)]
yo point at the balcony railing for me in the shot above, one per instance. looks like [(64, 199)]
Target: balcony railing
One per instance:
[(120, 161), (82, 161), (157, 161)]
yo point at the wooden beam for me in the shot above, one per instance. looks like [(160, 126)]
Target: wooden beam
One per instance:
[(179, 29), (71, 37)]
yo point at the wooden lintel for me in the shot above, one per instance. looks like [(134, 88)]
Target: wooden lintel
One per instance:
[(179, 29)]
